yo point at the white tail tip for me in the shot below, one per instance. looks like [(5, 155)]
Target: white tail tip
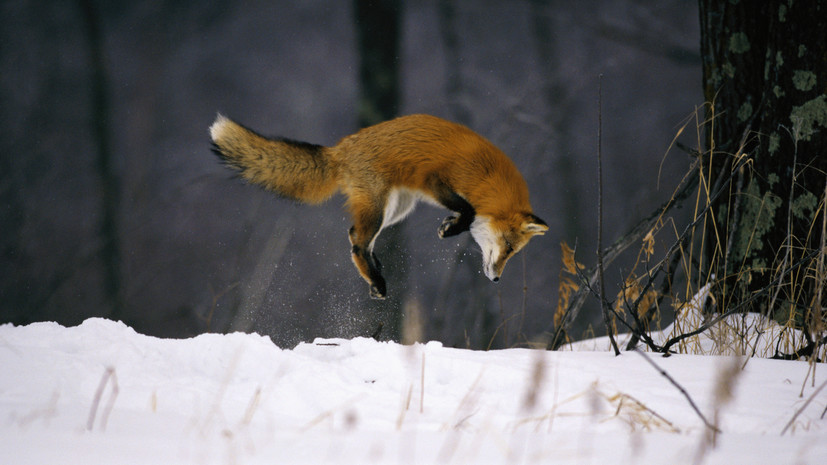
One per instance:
[(218, 127)]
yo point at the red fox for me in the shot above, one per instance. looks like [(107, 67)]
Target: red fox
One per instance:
[(383, 170)]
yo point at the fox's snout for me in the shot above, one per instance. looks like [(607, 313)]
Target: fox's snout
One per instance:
[(499, 244), (491, 266), (488, 269)]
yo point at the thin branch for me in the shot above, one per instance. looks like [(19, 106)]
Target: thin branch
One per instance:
[(680, 388), (646, 338), (666, 285), (740, 306), (675, 246), (108, 374), (798, 412), (603, 301), (619, 246)]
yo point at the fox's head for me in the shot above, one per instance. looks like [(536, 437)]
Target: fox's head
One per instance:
[(501, 238)]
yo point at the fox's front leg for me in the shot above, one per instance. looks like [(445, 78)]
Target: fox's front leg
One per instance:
[(463, 217), (455, 224), (362, 235)]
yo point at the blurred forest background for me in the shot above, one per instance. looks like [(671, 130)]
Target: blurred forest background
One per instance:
[(112, 205)]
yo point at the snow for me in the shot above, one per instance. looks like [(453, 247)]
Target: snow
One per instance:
[(102, 393)]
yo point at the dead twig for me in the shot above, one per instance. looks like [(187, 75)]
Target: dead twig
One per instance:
[(739, 307), (680, 388), (620, 397), (108, 374), (613, 251), (604, 304), (798, 412)]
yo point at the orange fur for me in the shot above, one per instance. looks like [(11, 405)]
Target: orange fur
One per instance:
[(384, 169)]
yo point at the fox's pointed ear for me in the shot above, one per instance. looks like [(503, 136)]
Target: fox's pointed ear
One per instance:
[(534, 225)]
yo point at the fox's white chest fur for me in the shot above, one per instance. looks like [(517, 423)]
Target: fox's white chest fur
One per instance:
[(401, 202)]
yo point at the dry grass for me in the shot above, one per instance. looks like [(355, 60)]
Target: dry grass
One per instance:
[(109, 378), (638, 416), (690, 271)]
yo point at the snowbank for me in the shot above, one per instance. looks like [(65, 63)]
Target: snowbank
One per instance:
[(102, 393)]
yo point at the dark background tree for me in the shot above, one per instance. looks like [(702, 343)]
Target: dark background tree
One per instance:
[(110, 252), (197, 250), (377, 30), (765, 74)]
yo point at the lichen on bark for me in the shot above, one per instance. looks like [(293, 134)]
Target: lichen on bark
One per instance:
[(758, 217), (804, 207), (804, 80), (810, 117), (739, 43)]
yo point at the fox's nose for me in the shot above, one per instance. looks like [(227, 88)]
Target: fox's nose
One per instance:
[(496, 278)]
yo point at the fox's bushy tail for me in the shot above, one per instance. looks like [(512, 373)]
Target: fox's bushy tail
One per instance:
[(293, 169)]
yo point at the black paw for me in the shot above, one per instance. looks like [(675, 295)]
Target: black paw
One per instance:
[(377, 287), (378, 293), (448, 227)]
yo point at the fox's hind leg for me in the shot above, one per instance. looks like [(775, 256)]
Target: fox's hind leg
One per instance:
[(366, 226)]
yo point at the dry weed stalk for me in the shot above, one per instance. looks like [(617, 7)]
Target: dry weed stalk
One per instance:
[(46, 412), (466, 407), (680, 388), (803, 407), (604, 304), (330, 413), (535, 385), (422, 386), (624, 406), (406, 405), (413, 322), (638, 414), (725, 384), (566, 289), (699, 250), (109, 377), (251, 408)]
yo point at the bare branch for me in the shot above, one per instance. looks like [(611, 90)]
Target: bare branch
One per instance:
[(603, 301), (611, 252), (108, 374), (741, 305), (798, 412), (680, 388)]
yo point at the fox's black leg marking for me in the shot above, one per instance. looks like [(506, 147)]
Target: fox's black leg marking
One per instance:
[(361, 236), (378, 288), (369, 267), (454, 224)]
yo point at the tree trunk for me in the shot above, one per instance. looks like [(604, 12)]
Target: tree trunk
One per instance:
[(109, 182), (378, 34), (765, 83), (377, 24)]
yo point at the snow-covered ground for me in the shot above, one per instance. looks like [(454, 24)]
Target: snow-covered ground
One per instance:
[(100, 393)]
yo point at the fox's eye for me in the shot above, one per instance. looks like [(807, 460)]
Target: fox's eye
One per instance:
[(508, 247)]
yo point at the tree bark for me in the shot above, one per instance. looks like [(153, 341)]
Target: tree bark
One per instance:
[(378, 34), (765, 83)]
